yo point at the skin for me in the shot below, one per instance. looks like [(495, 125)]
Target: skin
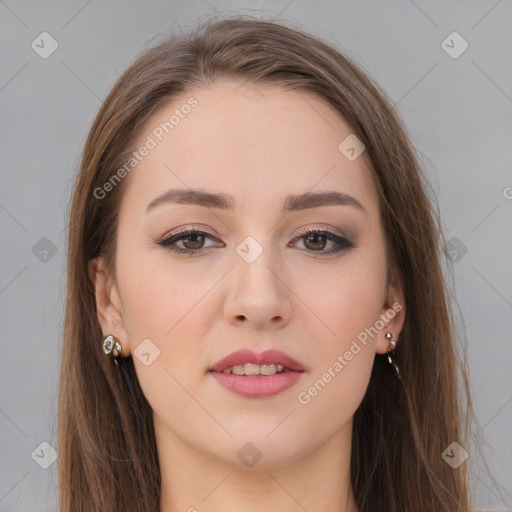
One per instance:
[(257, 145)]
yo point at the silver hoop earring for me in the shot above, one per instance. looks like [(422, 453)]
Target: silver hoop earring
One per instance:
[(111, 345), (391, 355)]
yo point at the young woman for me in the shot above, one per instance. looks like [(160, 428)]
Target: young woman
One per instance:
[(257, 317)]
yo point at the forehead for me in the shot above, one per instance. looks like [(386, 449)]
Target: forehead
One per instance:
[(255, 144)]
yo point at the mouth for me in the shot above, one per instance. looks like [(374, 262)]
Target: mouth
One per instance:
[(250, 369), (247, 362), (257, 375)]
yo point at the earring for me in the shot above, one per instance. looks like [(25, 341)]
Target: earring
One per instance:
[(391, 354), (111, 345)]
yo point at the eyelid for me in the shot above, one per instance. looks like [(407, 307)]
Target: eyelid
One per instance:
[(305, 230), (184, 231)]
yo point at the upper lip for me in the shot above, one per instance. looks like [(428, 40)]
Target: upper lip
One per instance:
[(248, 356)]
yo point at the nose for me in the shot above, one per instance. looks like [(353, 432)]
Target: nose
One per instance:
[(258, 294)]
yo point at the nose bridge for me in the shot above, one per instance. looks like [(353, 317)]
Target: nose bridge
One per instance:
[(257, 290), (257, 261)]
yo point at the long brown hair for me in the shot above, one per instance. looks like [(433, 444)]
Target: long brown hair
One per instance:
[(108, 458)]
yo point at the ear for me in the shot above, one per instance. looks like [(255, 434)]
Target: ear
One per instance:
[(392, 315), (108, 303)]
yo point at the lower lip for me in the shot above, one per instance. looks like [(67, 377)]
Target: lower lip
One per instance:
[(257, 386)]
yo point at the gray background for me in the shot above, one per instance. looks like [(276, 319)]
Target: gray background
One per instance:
[(458, 112)]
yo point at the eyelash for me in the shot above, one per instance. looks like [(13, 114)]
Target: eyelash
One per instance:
[(343, 243)]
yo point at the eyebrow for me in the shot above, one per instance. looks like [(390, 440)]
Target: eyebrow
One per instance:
[(226, 202)]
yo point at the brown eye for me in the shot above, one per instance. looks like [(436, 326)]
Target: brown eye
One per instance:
[(196, 241), (316, 242), (192, 241)]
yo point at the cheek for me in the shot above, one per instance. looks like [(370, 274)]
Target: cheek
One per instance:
[(159, 296), (345, 299), (343, 348), (174, 307), (175, 310)]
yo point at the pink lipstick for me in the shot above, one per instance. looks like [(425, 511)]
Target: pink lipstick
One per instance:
[(257, 375)]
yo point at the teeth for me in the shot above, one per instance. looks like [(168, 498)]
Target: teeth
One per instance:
[(254, 369), (268, 369), (238, 369), (251, 369)]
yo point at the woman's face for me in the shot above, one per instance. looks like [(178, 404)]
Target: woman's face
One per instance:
[(261, 278)]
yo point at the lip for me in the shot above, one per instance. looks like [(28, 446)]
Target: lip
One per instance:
[(257, 386), (248, 356)]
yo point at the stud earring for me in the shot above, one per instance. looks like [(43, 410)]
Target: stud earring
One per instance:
[(111, 345), (391, 355)]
